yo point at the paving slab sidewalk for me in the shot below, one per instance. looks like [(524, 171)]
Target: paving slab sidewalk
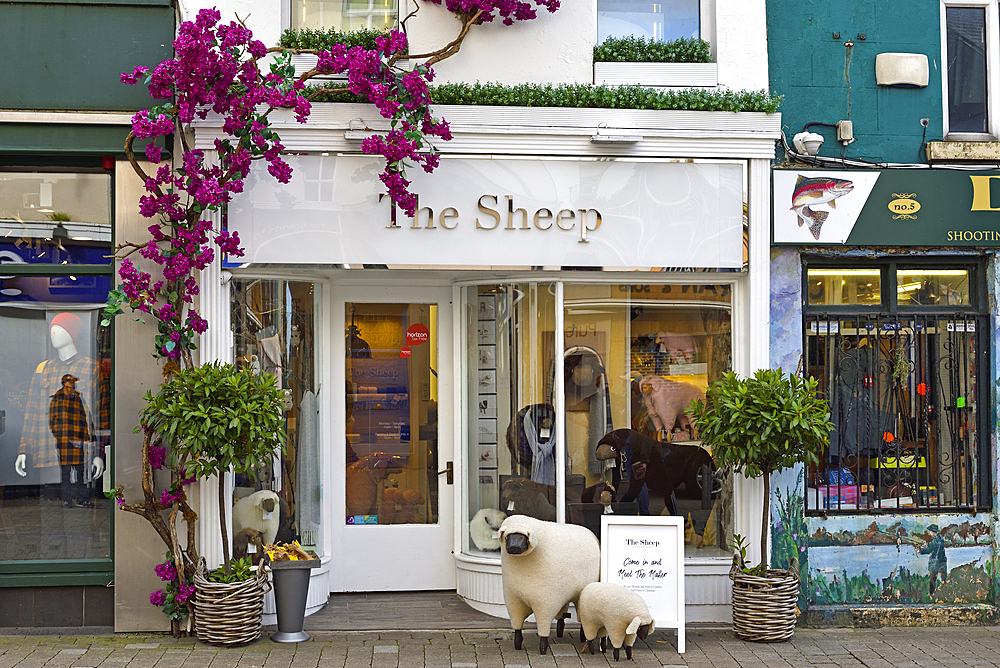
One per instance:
[(706, 648)]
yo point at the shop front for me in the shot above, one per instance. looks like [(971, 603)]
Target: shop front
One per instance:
[(430, 393), (886, 283)]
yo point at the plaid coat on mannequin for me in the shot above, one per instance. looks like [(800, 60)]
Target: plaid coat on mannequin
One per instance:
[(69, 422), (37, 439)]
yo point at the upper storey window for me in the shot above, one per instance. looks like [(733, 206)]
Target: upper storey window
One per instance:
[(660, 21), (970, 42), (345, 15)]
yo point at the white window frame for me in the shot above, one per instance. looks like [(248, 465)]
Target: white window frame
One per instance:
[(286, 12), (992, 70), (706, 18)]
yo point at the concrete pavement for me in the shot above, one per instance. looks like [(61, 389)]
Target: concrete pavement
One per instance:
[(481, 648)]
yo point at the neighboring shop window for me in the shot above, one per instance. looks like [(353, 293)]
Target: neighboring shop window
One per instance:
[(905, 384), (634, 358), (345, 15), (274, 332), (660, 21), (55, 375), (392, 414)]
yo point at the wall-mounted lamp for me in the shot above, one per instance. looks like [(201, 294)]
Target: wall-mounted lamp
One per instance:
[(604, 135), (807, 142)]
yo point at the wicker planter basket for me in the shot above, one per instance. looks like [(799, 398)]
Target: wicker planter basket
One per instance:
[(764, 607), (229, 614)]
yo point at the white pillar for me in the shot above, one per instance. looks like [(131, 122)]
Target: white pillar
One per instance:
[(216, 344)]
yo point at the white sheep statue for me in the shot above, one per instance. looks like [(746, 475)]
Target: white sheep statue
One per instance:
[(544, 568), (611, 612), (249, 512)]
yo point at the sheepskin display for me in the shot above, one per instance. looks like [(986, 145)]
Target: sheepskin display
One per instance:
[(668, 402), (242, 541), (520, 496), (610, 610), (544, 567), (363, 479), (250, 510), (485, 529), (401, 506)]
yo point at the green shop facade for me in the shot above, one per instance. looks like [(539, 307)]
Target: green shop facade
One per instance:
[(66, 196), (883, 287)]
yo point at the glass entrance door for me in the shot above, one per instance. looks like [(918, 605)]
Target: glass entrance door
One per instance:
[(396, 528)]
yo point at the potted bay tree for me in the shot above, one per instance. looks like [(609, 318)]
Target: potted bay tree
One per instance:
[(218, 419), (758, 426)]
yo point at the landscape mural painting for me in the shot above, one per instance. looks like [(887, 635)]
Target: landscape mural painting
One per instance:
[(898, 559)]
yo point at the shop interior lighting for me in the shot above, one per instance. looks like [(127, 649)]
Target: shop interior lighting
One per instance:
[(932, 272), (846, 272)]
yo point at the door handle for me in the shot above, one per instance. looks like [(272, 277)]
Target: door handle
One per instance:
[(451, 473)]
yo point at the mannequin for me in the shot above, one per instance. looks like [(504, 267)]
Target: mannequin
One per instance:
[(39, 437)]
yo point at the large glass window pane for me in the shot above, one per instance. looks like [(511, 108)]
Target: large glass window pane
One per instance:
[(54, 218), (392, 413), (55, 422), (512, 420), (932, 287), (839, 287), (903, 395), (274, 327), (635, 358), (344, 15), (967, 90), (662, 21)]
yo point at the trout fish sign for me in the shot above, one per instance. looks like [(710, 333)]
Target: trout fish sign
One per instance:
[(818, 207), (810, 192)]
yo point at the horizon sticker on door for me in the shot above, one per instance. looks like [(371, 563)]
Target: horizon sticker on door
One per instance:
[(814, 207), (417, 334)]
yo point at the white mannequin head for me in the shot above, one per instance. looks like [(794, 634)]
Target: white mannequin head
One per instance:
[(60, 337), (62, 341)]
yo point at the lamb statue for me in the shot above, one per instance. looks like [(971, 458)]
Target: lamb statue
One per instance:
[(610, 610), (258, 511), (544, 567)]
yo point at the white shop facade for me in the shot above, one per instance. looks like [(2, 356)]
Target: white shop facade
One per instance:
[(429, 392)]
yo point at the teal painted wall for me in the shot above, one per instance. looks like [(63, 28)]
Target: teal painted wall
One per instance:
[(68, 56), (824, 81)]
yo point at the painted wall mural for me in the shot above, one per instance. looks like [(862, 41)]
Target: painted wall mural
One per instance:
[(899, 559)]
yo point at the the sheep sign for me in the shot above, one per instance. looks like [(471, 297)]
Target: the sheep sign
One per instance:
[(645, 554)]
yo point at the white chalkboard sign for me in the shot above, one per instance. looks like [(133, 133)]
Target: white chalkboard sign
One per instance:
[(646, 555)]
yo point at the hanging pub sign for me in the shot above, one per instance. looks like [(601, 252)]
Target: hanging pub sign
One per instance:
[(581, 212), (888, 207)]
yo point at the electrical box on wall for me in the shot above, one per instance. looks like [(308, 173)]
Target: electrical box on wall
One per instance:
[(904, 70)]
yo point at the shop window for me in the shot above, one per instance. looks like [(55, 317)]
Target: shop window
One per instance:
[(274, 325), (54, 217), (55, 377), (844, 287), (658, 21), (905, 387), (633, 359), (345, 15)]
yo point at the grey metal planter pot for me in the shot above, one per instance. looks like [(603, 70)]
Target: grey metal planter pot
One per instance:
[(291, 587)]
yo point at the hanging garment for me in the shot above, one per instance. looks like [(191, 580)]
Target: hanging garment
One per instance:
[(585, 379), (270, 357), (307, 509), (530, 436)]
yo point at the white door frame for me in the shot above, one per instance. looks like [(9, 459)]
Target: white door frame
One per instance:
[(393, 557)]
